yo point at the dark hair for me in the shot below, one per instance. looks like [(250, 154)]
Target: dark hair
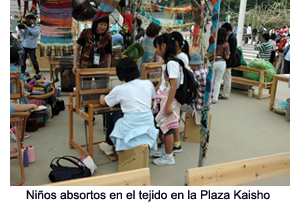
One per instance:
[(152, 30), (221, 36), (266, 36), (127, 69), (96, 23), (227, 26), (182, 43), (170, 45), (139, 22), (14, 55), (30, 16)]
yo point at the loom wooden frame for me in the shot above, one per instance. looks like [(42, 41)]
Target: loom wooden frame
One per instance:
[(93, 106)]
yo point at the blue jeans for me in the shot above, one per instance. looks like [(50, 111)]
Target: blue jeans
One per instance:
[(32, 56)]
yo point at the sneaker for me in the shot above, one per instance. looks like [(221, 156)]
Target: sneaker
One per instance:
[(163, 160), (13, 134), (177, 149), (159, 152), (108, 149)]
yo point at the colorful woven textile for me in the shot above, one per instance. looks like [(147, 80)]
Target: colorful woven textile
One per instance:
[(157, 22), (56, 25), (181, 9)]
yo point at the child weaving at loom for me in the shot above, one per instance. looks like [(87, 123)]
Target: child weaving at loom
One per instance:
[(167, 105), (135, 96)]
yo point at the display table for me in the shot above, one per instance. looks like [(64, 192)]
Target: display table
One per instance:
[(283, 78)]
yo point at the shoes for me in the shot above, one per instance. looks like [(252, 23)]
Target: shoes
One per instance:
[(177, 149), (222, 97), (13, 134), (163, 160), (56, 79), (108, 149), (159, 152), (214, 101)]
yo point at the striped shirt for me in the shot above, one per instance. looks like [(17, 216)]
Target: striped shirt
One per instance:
[(265, 50)]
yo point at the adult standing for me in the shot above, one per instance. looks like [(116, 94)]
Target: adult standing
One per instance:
[(233, 61), (249, 32), (281, 47), (221, 55), (95, 45), (150, 54), (139, 30), (265, 48), (29, 32), (254, 34), (261, 31)]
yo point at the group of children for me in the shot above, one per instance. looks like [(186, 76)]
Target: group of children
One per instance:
[(150, 112)]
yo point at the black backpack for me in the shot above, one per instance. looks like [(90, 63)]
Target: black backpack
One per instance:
[(187, 92)]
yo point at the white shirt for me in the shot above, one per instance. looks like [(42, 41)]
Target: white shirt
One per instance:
[(174, 71), (134, 96), (182, 56)]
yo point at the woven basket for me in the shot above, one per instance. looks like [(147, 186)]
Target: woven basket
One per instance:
[(44, 96)]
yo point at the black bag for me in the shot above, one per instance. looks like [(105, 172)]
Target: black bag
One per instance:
[(60, 104), (187, 92), (60, 172)]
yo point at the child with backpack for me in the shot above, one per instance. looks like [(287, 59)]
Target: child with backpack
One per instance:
[(167, 109)]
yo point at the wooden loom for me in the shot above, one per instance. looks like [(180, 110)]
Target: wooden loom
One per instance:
[(94, 107)]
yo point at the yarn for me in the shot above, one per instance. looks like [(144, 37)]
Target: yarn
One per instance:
[(25, 159), (31, 154)]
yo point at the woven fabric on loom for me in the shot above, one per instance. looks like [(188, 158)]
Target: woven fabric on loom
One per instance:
[(56, 24)]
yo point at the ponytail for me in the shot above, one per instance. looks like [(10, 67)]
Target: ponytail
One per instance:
[(167, 39), (183, 44)]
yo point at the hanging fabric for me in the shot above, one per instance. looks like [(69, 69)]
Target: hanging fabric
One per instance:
[(56, 27)]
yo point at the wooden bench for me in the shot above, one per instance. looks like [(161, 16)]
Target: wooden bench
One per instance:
[(261, 84), (239, 172), (139, 177)]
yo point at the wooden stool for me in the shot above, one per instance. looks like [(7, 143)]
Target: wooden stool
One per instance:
[(192, 129), (133, 159)]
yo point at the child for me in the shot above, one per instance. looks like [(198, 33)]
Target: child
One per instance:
[(167, 107), (182, 49), (135, 96)]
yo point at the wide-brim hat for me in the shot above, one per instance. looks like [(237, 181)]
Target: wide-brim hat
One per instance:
[(195, 58), (134, 51)]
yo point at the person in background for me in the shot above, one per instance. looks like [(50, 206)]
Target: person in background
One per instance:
[(233, 61), (199, 72), (118, 39), (287, 60), (249, 31), (265, 48), (281, 47), (139, 30), (15, 43), (274, 45), (254, 34), (150, 54), (30, 33), (261, 31), (221, 55), (235, 31)]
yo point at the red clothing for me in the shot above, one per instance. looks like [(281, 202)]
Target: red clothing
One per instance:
[(222, 51)]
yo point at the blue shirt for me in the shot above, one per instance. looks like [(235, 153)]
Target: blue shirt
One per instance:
[(30, 36), (117, 39)]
